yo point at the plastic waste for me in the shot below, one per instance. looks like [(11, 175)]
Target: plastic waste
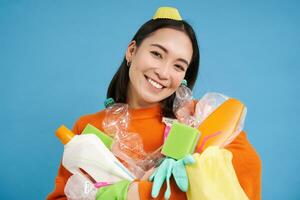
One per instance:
[(127, 146), (219, 119), (206, 105), (79, 187), (212, 176), (209, 106), (116, 117), (183, 105), (88, 153)]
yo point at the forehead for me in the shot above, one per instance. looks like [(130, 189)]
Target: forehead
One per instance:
[(176, 42)]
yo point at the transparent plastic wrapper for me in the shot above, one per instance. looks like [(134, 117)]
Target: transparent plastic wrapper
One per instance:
[(208, 104), (79, 187), (137, 160), (127, 146), (187, 114), (238, 129), (183, 105)]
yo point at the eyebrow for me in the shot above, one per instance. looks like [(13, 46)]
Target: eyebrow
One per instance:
[(165, 50)]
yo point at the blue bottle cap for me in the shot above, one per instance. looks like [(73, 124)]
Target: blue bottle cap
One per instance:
[(108, 102), (184, 82)]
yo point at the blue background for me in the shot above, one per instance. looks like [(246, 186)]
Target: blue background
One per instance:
[(57, 58)]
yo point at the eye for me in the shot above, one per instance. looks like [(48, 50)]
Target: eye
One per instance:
[(179, 67), (156, 54)]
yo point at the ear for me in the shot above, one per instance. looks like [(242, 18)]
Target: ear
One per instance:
[(131, 50)]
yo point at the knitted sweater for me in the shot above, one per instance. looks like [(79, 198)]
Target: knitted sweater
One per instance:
[(147, 123)]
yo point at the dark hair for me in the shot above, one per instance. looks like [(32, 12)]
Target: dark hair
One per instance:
[(118, 86)]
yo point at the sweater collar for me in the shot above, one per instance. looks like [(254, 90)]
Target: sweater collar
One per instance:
[(142, 113)]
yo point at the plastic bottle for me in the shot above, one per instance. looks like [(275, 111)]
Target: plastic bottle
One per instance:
[(88, 153), (116, 117), (127, 146), (183, 106)]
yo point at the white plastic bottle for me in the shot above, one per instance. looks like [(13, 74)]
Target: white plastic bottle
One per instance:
[(87, 152)]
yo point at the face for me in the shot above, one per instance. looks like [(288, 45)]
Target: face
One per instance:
[(157, 67)]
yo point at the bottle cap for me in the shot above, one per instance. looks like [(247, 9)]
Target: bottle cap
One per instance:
[(184, 82), (108, 102), (64, 134)]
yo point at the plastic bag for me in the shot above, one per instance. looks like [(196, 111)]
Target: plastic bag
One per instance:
[(213, 177), (194, 116)]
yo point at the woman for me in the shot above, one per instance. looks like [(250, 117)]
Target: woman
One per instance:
[(163, 52)]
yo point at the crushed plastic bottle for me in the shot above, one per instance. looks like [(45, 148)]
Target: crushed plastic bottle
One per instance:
[(116, 117), (183, 106), (127, 146)]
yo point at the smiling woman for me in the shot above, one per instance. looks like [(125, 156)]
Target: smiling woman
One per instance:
[(162, 54), (164, 51), (157, 67)]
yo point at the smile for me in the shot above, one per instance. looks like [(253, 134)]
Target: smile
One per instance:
[(154, 83)]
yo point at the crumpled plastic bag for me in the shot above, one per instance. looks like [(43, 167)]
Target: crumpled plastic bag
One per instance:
[(212, 176)]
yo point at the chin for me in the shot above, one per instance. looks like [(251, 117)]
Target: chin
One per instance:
[(153, 99)]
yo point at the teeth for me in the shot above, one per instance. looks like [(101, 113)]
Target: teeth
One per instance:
[(155, 84)]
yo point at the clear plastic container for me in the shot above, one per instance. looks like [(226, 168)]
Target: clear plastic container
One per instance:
[(183, 105), (127, 146)]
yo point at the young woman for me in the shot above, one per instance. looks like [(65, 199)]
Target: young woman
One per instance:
[(163, 52)]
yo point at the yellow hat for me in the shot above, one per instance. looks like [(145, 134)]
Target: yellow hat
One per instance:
[(167, 13)]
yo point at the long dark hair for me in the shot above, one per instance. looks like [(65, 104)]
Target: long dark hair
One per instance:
[(118, 86)]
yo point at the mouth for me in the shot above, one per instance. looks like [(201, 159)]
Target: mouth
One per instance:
[(154, 83)]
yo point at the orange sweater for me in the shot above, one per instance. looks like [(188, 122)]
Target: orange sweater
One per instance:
[(147, 122)]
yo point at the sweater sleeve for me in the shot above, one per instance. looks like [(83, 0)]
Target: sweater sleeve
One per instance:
[(62, 177), (247, 165)]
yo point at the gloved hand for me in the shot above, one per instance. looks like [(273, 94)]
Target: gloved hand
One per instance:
[(179, 172), (162, 173), (168, 167), (115, 191)]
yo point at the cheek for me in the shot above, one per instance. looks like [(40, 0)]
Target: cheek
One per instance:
[(143, 61), (176, 80), (133, 74)]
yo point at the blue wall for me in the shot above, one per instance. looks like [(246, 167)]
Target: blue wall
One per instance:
[(57, 58)]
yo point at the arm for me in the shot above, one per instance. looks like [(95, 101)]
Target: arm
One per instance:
[(247, 165)]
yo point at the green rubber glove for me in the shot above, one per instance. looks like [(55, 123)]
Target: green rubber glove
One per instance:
[(162, 173), (117, 191), (169, 167), (179, 172)]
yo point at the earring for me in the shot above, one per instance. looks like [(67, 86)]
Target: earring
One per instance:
[(128, 63)]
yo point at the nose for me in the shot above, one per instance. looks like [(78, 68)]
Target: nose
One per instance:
[(162, 72)]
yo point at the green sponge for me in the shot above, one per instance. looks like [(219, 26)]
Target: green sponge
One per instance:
[(182, 140), (102, 136)]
